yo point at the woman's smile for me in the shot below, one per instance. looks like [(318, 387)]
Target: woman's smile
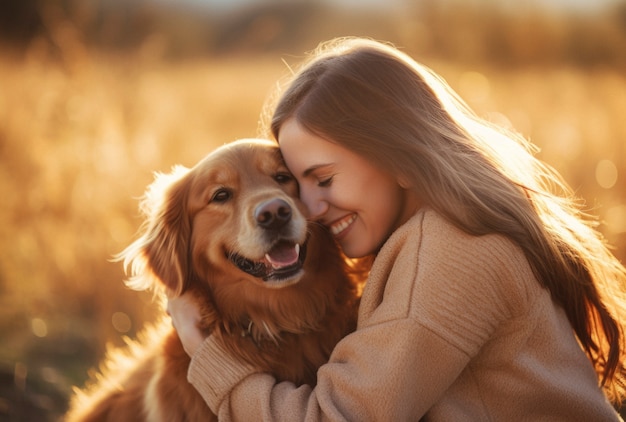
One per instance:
[(339, 227)]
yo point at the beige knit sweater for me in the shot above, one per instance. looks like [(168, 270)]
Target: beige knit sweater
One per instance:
[(452, 327)]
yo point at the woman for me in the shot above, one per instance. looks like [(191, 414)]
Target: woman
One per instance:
[(489, 298)]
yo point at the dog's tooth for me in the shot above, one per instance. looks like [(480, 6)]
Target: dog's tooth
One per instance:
[(275, 266)]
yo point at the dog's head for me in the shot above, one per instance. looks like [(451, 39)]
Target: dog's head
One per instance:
[(232, 223)]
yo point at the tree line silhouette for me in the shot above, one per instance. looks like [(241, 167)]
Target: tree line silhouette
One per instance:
[(453, 29)]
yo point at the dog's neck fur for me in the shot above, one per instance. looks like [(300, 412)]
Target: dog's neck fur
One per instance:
[(258, 334), (260, 331)]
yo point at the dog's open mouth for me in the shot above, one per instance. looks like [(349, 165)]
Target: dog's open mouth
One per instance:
[(283, 261)]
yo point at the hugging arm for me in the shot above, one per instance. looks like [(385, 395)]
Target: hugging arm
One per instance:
[(373, 374)]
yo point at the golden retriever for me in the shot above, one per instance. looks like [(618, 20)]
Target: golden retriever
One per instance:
[(273, 287)]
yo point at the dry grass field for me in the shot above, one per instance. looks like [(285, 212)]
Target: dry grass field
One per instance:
[(79, 145), (80, 138)]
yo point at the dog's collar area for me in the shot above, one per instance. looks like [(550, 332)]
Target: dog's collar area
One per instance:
[(259, 335), (276, 265)]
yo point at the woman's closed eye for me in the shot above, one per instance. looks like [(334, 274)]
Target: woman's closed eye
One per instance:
[(325, 182)]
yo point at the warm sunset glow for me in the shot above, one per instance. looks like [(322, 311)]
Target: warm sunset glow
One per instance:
[(93, 104)]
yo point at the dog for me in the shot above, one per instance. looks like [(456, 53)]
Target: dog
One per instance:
[(273, 287)]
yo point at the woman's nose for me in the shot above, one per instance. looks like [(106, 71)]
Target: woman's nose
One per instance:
[(315, 203)]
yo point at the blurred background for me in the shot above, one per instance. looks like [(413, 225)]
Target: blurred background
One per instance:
[(96, 95)]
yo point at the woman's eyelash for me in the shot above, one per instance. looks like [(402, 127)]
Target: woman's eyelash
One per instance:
[(325, 183)]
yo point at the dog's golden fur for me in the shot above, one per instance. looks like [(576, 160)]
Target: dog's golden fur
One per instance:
[(237, 210)]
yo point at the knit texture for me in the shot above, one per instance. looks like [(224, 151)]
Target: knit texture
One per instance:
[(452, 327)]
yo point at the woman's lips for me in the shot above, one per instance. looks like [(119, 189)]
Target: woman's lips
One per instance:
[(338, 227)]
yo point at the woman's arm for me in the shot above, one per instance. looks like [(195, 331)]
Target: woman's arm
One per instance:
[(377, 373)]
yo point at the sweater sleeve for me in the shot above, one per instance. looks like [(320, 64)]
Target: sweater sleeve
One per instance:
[(374, 374), (423, 317)]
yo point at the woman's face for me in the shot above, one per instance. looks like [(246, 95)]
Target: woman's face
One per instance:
[(360, 203)]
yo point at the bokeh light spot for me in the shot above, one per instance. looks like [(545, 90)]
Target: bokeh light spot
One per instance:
[(121, 322), (606, 174), (563, 140), (615, 219), (39, 327), (474, 86), (51, 375)]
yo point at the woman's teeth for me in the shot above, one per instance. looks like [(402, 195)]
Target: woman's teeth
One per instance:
[(340, 226)]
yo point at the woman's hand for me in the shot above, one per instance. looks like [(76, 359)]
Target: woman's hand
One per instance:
[(185, 314)]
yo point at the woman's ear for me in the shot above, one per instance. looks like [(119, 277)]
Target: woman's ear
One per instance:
[(161, 254), (403, 181)]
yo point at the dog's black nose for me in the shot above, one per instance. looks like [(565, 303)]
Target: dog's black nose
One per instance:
[(273, 214)]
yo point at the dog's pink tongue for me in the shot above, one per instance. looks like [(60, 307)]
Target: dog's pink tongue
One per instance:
[(283, 255)]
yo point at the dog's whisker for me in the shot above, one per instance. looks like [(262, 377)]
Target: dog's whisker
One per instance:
[(270, 333)]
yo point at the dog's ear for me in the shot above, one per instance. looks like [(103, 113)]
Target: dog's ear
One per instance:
[(161, 253)]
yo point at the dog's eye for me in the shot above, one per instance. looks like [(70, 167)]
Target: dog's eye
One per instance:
[(283, 178), (221, 195)]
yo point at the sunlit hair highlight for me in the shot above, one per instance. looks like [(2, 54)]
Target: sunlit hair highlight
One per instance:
[(378, 102)]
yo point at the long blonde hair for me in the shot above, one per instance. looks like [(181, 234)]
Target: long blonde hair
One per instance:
[(378, 102)]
